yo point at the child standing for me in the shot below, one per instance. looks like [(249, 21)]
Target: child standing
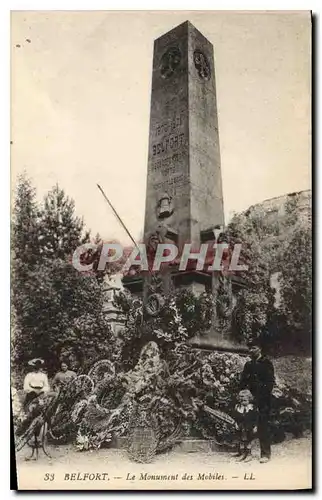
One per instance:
[(245, 416)]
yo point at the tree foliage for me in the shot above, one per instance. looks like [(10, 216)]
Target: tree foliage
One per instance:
[(269, 246), (57, 310), (296, 287), (254, 303), (60, 230)]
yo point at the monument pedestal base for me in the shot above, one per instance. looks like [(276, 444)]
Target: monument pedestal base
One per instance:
[(218, 337), (214, 341)]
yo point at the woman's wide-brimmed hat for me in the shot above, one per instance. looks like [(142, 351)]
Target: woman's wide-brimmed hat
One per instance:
[(36, 361)]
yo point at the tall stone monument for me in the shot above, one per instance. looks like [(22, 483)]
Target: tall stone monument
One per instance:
[(184, 187), (184, 200)]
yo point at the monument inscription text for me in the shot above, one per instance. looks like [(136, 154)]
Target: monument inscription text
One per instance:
[(168, 143)]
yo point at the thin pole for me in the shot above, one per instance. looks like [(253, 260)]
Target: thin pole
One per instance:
[(117, 216)]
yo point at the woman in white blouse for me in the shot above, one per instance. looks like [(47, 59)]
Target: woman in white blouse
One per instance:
[(36, 381)]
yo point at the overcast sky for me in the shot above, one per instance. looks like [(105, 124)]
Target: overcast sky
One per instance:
[(81, 98)]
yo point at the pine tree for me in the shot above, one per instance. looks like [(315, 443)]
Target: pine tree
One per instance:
[(25, 224), (61, 230), (25, 257)]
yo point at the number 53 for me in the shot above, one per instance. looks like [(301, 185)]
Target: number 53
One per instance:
[(49, 477)]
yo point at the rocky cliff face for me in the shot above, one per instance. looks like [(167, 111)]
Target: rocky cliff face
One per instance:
[(285, 213), (277, 209), (279, 217)]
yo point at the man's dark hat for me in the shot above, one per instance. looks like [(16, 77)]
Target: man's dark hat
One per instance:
[(254, 343)]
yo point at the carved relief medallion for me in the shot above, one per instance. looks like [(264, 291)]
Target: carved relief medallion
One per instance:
[(170, 61), (202, 65)]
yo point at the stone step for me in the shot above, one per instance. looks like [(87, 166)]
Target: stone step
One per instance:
[(198, 446), (184, 446)]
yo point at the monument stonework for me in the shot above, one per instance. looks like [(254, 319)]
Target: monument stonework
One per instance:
[(184, 187), (184, 200)]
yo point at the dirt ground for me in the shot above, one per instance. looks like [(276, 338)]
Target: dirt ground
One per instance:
[(111, 469)]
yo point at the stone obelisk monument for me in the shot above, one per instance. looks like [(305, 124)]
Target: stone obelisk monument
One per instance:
[(184, 200), (184, 188)]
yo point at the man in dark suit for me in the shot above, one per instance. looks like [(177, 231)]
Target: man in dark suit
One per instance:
[(258, 377)]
